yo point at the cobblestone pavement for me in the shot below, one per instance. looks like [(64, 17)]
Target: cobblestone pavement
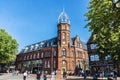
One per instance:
[(9, 76)]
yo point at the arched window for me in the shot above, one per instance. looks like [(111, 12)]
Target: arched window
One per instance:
[(63, 52)]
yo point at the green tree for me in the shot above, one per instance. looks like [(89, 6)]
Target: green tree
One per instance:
[(104, 23), (8, 47)]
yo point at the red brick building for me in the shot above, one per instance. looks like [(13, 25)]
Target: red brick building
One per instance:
[(59, 54)]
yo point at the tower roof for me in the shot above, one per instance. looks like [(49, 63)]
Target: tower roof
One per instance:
[(63, 18)]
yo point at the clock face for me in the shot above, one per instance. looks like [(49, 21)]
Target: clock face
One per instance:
[(63, 42)]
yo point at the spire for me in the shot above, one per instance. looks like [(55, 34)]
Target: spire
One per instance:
[(63, 18), (63, 9)]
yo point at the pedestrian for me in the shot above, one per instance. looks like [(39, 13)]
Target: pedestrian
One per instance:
[(24, 75), (52, 76), (45, 77), (64, 75), (17, 72), (38, 74)]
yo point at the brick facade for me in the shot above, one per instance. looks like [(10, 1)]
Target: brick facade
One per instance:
[(58, 54)]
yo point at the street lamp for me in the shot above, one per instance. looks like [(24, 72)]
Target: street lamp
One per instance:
[(116, 3)]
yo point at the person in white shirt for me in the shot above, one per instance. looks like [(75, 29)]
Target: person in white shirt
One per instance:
[(24, 75)]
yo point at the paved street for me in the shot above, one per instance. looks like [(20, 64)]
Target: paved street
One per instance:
[(32, 77), (11, 77)]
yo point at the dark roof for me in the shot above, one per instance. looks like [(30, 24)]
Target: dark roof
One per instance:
[(48, 43), (40, 45)]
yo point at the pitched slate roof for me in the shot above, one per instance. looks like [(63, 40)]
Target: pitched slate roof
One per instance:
[(48, 43), (40, 45)]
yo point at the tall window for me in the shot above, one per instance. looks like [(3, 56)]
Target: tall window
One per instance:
[(30, 56), (48, 64), (79, 66), (63, 52), (55, 53), (45, 64), (54, 64), (38, 55), (42, 55), (34, 56)]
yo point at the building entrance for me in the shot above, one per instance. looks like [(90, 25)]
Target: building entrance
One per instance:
[(63, 69)]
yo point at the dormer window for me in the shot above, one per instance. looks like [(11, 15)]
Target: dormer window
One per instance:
[(31, 48), (26, 49), (36, 46)]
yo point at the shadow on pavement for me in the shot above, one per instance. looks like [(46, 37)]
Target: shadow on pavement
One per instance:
[(1, 74)]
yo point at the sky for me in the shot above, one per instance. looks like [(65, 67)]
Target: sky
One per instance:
[(32, 21)]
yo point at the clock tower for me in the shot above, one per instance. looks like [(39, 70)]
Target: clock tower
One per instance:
[(63, 29), (63, 42)]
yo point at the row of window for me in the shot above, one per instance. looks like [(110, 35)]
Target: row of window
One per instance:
[(80, 55), (37, 55), (96, 57), (47, 64), (48, 54)]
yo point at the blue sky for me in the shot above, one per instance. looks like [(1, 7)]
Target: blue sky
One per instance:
[(31, 21)]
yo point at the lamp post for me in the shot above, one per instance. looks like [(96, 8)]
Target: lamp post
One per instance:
[(116, 3)]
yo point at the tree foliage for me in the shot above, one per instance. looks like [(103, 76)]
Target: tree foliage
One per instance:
[(104, 23), (8, 47)]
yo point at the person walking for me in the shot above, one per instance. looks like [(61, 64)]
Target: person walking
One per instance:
[(52, 76), (24, 75), (45, 77), (64, 75), (38, 74)]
